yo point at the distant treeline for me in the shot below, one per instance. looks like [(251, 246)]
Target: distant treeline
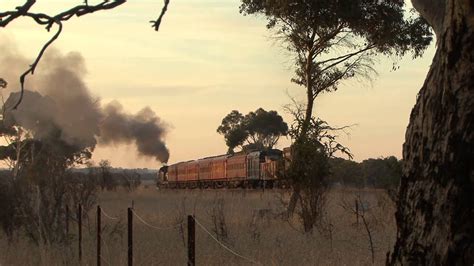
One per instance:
[(145, 174), (378, 173)]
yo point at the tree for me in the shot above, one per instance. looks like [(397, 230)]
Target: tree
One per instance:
[(49, 20), (233, 130), (436, 205), (259, 130), (382, 172), (336, 40), (333, 41), (41, 185), (106, 178), (41, 182), (309, 168)]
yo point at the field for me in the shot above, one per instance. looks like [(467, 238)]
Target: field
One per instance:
[(247, 222)]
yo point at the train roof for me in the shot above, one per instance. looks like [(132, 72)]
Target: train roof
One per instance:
[(253, 153)]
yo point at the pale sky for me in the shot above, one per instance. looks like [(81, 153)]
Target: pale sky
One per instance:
[(207, 60)]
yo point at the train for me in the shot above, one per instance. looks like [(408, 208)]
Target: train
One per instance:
[(255, 169)]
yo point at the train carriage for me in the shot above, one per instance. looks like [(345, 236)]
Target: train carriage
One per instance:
[(181, 174), (192, 174), (204, 166), (172, 175), (254, 169), (218, 170), (236, 169)]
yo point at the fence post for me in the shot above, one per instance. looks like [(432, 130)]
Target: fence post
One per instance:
[(357, 211), (191, 241), (130, 237), (67, 222), (99, 225), (79, 219)]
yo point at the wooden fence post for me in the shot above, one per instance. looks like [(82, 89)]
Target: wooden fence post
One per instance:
[(191, 241), (67, 222), (357, 211), (99, 225), (130, 236), (79, 219)]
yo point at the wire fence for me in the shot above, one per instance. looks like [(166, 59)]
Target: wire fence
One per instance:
[(108, 216), (191, 222), (224, 246), (175, 226)]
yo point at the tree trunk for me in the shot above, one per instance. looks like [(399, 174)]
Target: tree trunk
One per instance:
[(435, 214), (304, 129)]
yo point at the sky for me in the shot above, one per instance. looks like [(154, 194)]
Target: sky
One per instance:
[(207, 60)]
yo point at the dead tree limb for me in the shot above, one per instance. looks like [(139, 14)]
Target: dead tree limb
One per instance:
[(50, 20), (156, 23)]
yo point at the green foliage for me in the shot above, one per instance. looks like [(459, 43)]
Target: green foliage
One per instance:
[(310, 167), (106, 179), (337, 40), (40, 183), (260, 129), (380, 173), (378, 24), (346, 172)]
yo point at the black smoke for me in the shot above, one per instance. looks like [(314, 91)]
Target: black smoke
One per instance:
[(144, 128), (62, 102)]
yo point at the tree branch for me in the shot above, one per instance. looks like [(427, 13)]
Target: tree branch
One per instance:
[(33, 66), (7, 17), (343, 58), (49, 21), (156, 23)]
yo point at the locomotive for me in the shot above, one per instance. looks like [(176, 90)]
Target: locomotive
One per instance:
[(256, 169)]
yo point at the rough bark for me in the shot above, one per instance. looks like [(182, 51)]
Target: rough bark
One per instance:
[(435, 214)]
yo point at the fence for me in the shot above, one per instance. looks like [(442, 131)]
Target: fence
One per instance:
[(192, 221)]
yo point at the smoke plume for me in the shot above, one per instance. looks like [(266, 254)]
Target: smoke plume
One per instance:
[(62, 106)]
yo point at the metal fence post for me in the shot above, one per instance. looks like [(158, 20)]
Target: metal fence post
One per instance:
[(191, 241), (130, 237), (98, 233)]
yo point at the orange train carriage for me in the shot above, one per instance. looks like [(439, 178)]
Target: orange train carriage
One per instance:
[(245, 170)]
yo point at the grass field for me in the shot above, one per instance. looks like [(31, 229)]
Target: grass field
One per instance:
[(248, 222)]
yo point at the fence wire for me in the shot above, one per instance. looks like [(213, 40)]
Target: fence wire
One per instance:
[(108, 216), (156, 227), (224, 246)]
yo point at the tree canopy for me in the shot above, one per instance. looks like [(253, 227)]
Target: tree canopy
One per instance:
[(256, 130), (337, 40)]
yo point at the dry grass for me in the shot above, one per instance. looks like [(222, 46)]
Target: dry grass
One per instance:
[(252, 225)]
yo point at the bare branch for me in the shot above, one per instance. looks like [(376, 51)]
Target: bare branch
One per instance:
[(33, 66), (49, 21), (156, 23), (341, 59), (7, 17)]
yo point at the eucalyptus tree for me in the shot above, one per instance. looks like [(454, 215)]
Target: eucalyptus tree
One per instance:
[(333, 41), (256, 130), (436, 206)]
